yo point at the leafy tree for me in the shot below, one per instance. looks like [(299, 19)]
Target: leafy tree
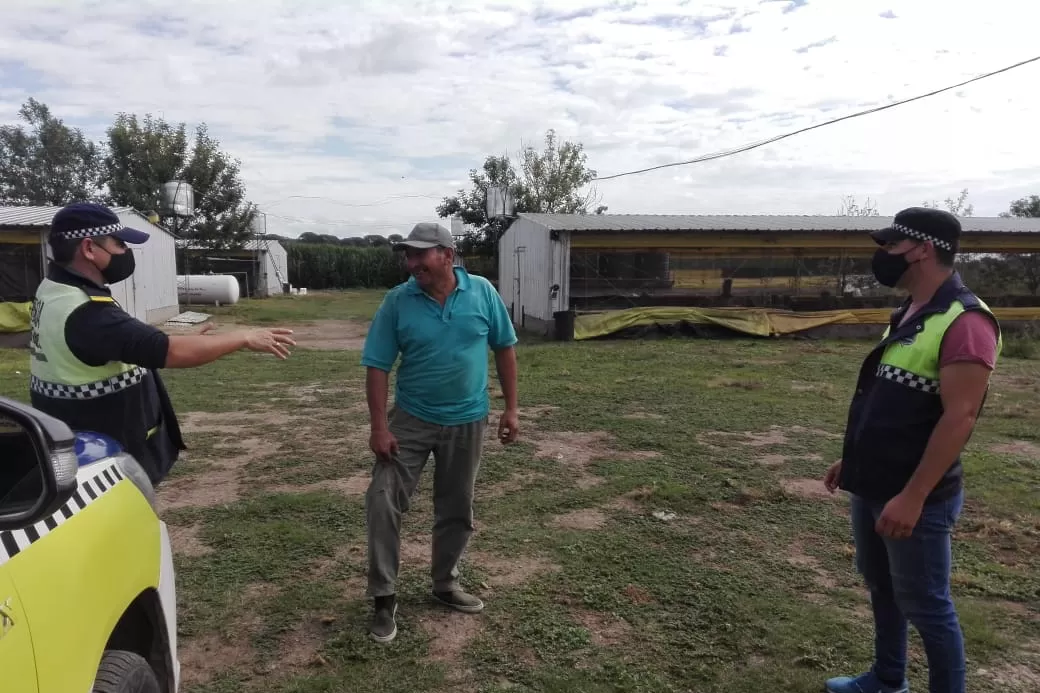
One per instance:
[(554, 180), (1025, 265), (1025, 207), (319, 238), (960, 207), (852, 275), (395, 238), (851, 208), (144, 154), (48, 164)]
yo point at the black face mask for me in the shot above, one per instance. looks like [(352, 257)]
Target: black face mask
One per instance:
[(889, 268), (119, 267)]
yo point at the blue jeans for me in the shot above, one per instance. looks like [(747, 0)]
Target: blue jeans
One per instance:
[(909, 581)]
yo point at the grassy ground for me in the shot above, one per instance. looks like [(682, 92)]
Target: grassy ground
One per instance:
[(660, 527)]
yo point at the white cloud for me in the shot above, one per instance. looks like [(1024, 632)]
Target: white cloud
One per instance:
[(356, 118)]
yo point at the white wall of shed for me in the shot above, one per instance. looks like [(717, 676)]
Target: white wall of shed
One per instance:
[(525, 279), (150, 294), (275, 269)]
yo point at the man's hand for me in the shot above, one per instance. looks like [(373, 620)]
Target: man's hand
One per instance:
[(208, 327), (830, 480), (273, 341), (383, 443), (900, 516), (509, 426)]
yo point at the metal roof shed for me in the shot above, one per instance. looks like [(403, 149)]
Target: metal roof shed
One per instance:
[(535, 252), (261, 266), (150, 294)]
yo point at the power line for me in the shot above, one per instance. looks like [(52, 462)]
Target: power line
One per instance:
[(755, 145), (385, 201), (333, 222)]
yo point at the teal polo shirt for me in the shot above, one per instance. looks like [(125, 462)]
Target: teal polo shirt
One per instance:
[(443, 374)]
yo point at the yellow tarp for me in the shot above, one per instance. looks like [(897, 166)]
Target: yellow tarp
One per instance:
[(14, 317), (759, 322)]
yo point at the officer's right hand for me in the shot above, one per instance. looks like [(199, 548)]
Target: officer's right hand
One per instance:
[(830, 480), (383, 444), (274, 341)]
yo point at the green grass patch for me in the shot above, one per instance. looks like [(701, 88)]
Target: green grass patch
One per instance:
[(708, 562)]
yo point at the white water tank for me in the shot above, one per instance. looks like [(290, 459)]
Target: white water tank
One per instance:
[(207, 288)]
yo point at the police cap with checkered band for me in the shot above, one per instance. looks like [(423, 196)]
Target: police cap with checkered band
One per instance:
[(939, 227), (81, 220)]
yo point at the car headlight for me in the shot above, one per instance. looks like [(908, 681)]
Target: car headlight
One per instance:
[(133, 471)]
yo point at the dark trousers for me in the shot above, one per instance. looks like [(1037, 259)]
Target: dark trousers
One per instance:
[(909, 582), (456, 451)]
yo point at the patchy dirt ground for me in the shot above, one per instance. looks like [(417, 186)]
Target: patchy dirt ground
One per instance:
[(1018, 448), (186, 542), (606, 630), (248, 453), (509, 572), (584, 520), (773, 436), (576, 450), (355, 485), (807, 488)]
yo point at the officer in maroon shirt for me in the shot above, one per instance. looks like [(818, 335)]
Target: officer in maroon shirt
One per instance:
[(918, 395)]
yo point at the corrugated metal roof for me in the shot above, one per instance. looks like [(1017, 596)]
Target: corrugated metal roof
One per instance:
[(22, 217), (765, 222)]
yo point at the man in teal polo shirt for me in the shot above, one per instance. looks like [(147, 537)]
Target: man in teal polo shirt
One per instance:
[(441, 323)]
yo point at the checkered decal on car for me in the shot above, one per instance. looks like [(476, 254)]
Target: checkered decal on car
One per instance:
[(90, 390), (13, 542), (910, 380)]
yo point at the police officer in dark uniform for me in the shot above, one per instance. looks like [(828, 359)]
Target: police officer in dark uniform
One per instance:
[(95, 366), (919, 393)]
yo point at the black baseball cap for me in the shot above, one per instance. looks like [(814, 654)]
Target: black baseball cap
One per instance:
[(88, 220), (942, 228), (427, 235)]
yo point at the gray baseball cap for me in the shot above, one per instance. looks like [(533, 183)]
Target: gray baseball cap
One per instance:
[(427, 235)]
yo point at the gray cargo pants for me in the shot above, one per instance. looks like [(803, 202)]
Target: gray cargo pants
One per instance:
[(456, 451)]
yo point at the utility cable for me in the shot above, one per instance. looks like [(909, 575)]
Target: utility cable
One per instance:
[(755, 145)]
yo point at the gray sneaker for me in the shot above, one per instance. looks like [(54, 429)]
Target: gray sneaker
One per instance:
[(460, 601), (384, 623)]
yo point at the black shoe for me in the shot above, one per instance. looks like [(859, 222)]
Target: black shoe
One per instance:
[(460, 601), (384, 625)]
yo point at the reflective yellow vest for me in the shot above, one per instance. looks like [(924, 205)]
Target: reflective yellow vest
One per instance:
[(915, 364), (56, 372), (897, 401)]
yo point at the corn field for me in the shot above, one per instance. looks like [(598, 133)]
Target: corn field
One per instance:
[(319, 266)]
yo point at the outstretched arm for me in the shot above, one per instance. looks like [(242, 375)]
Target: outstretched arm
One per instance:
[(102, 332), (188, 351)]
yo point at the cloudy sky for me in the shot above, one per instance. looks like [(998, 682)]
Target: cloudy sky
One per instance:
[(356, 117)]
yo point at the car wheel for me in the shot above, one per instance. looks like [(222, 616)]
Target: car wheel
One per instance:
[(125, 672)]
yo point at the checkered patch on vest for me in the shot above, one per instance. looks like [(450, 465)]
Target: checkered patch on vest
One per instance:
[(910, 380), (90, 488), (89, 390)]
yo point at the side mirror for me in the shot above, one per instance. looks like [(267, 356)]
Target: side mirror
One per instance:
[(38, 465)]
